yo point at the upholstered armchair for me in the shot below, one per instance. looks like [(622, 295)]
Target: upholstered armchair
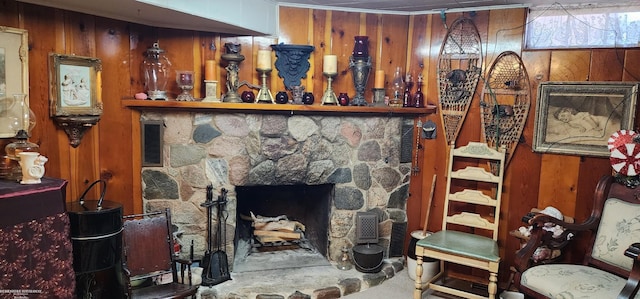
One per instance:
[(610, 268)]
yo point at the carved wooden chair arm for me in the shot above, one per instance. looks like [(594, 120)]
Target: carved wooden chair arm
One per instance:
[(543, 238), (631, 287)]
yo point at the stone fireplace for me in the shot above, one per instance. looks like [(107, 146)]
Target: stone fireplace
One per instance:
[(357, 158)]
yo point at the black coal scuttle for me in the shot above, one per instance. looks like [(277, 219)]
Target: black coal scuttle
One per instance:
[(96, 235)]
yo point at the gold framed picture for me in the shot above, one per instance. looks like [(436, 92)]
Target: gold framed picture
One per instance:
[(75, 85), (14, 80)]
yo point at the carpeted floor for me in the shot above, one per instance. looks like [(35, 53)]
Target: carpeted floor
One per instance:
[(399, 286)]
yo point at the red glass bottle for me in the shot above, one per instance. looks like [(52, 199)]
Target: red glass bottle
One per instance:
[(418, 97)]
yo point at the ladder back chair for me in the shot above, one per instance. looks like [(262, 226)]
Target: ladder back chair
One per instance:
[(470, 221)]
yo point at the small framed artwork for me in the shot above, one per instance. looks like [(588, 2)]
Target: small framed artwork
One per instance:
[(75, 85), (14, 79), (577, 118)]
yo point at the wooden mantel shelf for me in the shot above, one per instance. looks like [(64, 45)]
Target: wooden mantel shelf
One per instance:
[(147, 105)]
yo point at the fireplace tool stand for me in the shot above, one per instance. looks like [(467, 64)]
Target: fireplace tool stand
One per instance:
[(215, 264)]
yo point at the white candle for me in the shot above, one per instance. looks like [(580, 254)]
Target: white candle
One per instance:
[(330, 64), (264, 60)]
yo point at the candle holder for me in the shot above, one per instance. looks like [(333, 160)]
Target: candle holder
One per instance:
[(264, 95), (211, 91), (329, 97), (378, 97), (185, 82), (233, 58), (360, 64)]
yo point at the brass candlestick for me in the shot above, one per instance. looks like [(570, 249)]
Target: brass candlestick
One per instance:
[(264, 95), (329, 97), (233, 82)]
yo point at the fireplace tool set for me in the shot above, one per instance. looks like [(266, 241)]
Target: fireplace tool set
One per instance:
[(215, 264)]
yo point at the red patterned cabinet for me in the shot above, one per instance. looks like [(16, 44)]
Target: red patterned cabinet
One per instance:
[(35, 248)]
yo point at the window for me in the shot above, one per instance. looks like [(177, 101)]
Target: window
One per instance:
[(585, 26)]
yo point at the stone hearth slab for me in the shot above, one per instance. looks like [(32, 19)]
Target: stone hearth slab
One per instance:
[(272, 260), (304, 282)]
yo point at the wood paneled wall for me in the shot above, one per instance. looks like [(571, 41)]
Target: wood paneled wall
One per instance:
[(111, 149)]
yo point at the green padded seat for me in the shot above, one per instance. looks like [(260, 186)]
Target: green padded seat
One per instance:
[(463, 244)]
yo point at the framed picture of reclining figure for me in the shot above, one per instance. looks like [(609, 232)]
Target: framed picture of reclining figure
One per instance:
[(577, 118)]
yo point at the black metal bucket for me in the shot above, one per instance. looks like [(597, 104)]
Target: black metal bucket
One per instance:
[(96, 232), (368, 257)]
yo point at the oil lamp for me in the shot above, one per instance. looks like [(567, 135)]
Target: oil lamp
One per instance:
[(360, 65), (27, 121)]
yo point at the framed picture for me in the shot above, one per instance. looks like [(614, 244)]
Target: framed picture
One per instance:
[(14, 80), (577, 118), (75, 85)]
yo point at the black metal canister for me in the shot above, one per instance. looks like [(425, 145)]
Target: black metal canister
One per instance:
[(96, 235)]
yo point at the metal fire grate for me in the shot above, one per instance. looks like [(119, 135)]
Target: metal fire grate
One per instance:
[(366, 227), (302, 243)]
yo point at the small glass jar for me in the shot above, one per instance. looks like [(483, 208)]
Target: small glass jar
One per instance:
[(282, 97), (343, 99), (345, 260)]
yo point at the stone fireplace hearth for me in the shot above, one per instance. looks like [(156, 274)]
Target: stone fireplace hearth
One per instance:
[(359, 155)]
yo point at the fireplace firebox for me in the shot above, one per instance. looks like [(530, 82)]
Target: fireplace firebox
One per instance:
[(310, 205)]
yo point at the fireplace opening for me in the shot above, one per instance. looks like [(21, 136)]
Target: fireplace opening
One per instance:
[(300, 218)]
